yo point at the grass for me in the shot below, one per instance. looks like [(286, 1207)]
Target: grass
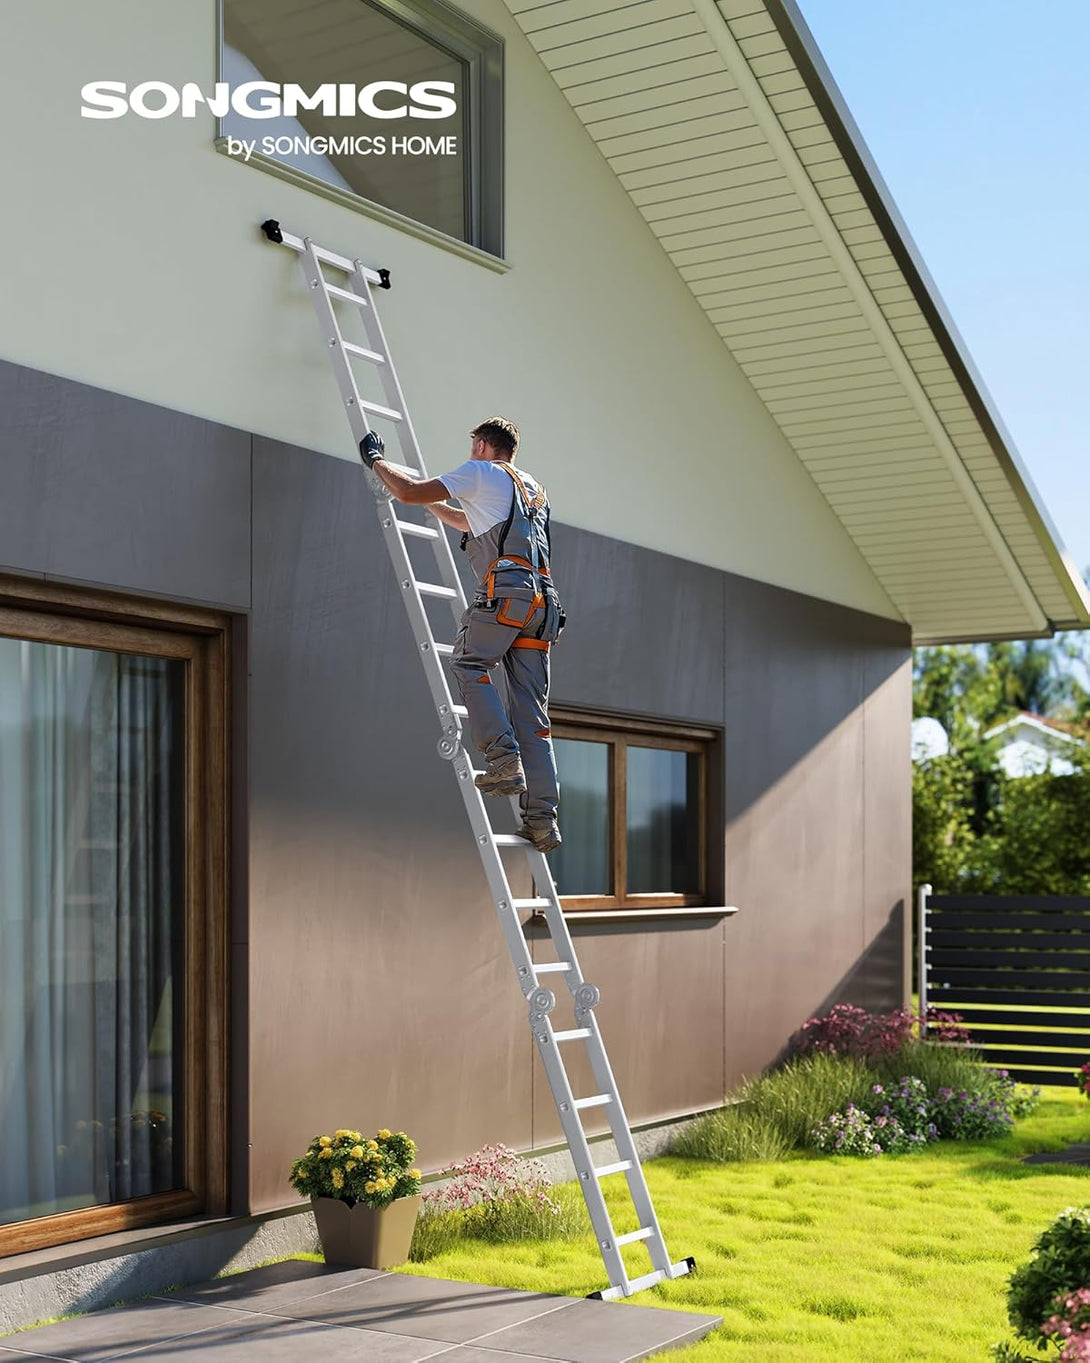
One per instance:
[(816, 1259)]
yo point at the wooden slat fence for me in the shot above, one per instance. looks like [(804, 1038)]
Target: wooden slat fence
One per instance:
[(1017, 968)]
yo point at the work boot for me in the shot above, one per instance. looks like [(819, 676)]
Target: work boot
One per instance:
[(544, 836), (506, 777)]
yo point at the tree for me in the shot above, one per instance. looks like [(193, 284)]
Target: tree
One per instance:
[(975, 829)]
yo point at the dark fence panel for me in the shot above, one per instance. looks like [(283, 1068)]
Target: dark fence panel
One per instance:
[(1017, 968)]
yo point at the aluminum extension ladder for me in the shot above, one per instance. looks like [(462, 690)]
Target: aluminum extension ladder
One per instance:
[(542, 1001)]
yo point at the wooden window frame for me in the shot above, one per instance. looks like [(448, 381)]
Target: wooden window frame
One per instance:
[(74, 617), (619, 731)]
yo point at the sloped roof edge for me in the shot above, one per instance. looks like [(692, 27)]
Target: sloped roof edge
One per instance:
[(800, 42)]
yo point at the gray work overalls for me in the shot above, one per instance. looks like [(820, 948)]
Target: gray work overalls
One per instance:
[(513, 619)]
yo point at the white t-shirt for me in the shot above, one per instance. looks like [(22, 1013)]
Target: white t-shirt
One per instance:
[(484, 492)]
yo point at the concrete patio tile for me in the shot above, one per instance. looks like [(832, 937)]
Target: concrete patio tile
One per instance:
[(271, 1287), (601, 1332), (276, 1339), (471, 1353), (426, 1308), (101, 1335)]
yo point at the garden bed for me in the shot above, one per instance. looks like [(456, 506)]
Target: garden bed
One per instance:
[(830, 1259)]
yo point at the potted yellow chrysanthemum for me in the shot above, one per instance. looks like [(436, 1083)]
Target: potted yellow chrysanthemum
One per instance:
[(365, 1196)]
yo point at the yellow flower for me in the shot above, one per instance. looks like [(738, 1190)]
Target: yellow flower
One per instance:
[(356, 1152), (338, 1178), (325, 1154), (384, 1135), (415, 1173), (372, 1145), (368, 1187), (356, 1135), (339, 1134), (350, 1166), (324, 1140)]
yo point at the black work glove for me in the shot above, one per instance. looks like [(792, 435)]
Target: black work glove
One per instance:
[(372, 447)]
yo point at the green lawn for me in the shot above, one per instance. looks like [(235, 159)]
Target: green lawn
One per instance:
[(831, 1260)]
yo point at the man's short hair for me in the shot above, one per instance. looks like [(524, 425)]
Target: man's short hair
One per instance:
[(501, 434)]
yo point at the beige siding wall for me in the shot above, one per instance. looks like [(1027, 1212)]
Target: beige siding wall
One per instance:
[(140, 270)]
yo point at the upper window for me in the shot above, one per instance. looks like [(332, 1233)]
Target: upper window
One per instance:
[(407, 100), (634, 813)]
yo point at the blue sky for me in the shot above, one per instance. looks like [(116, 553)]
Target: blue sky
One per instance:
[(977, 113)]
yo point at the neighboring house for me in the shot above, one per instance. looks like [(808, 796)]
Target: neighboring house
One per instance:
[(1029, 745), (238, 888)]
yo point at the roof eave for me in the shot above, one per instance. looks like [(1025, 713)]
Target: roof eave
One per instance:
[(797, 37)]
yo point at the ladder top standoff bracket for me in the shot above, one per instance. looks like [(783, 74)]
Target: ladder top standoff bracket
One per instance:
[(275, 232)]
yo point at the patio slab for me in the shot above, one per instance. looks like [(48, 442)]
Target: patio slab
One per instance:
[(300, 1309)]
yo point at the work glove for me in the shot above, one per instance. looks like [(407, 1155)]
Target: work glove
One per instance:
[(372, 447)]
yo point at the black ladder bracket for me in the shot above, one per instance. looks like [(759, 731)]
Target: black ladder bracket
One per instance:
[(271, 228)]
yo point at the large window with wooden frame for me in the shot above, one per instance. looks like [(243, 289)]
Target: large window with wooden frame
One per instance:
[(112, 914), (636, 801)]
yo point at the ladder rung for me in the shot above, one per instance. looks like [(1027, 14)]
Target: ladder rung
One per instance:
[(387, 412), (599, 1100), (506, 839), (552, 967), (604, 1171), (371, 355), (644, 1233), (532, 903), (444, 650), (461, 710), (346, 294), (431, 589), (425, 532), (575, 1035)]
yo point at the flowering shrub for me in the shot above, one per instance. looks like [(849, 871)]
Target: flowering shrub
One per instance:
[(1084, 1080), (1019, 1100), (848, 1133), (497, 1196), (848, 1030), (1059, 1266), (495, 1174), (1070, 1322), (907, 1104), (346, 1166), (962, 1116)]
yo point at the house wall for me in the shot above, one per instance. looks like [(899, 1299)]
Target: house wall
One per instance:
[(141, 271), (370, 981)]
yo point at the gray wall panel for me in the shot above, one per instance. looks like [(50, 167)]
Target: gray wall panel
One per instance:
[(99, 488), (645, 630), (373, 984)]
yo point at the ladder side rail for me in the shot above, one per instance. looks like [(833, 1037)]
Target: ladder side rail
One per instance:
[(331, 335), (626, 1146), (391, 386), (579, 1146)]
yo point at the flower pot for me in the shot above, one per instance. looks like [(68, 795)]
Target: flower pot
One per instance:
[(360, 1236)]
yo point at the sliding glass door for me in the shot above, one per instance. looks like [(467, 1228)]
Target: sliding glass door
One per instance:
[(102, 925)]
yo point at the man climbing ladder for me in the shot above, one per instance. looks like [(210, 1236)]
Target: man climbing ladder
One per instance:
[(514, 617)]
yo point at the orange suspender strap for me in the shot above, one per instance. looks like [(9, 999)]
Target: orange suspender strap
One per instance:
[(531, 643), (535, 502)]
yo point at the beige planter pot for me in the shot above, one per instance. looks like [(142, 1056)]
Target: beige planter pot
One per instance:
[(360, 1237)]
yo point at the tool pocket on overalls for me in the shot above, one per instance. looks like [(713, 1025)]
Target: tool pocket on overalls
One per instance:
[(555, 619), (509, 608)]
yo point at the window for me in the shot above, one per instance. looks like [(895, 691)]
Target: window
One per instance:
[(341, 45), (635, 812), (112, 922)]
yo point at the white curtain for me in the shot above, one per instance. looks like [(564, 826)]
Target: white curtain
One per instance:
[(90, 923)]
